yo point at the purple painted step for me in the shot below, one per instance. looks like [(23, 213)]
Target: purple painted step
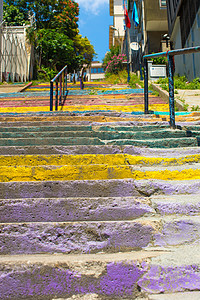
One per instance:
[(92, 237), (74, 237), (73, 209), (122, 276), (97, 188)]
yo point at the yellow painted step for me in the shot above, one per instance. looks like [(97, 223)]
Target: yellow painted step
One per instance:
[(90, 172), (118, 108), (94, 159)]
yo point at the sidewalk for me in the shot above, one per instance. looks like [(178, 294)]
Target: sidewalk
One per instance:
[(11, 88)]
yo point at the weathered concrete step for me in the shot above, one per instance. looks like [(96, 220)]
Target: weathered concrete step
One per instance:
[(106, 276), (98, 172), (158, 143), (99, 149), (195, 295), (101, 159), (83, 127), (73, 117), (72, 141), (96, 209), (75, 237), (73, 209), (95, 236), (103, 135), (97, 188), (70, 150), (49, 141), (65, 276), (176, 204)]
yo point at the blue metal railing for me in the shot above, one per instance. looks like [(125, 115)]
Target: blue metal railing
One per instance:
[(61, 88), (169, 54)]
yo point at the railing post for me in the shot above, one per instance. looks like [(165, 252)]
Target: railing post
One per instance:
[(56, 102), (60, 97), (51, 96), (171, 91), (146, 96)]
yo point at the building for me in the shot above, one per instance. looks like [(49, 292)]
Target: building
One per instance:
[(153, 25), (184, 31), (95, 71), (116, 30)]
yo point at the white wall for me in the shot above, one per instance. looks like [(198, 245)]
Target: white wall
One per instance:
[(118, 17)]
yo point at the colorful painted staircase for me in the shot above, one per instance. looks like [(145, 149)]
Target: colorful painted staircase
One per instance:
[(98, 203)]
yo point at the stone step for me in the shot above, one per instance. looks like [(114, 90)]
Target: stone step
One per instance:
[(158, 143), (74, 209), (119, 159), (101, 208), (128, 275), (103, 135), (176, 204), (97, 188), (99, 149), (98, 172), (83, 127), (72, 141), (195, 295), (95, 236)]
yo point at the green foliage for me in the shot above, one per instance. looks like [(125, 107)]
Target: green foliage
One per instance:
[(159, 60), (54, 32), (13, 16), (55, 48), (195, 108), (134, 80), (84, 49), (181, 82), (46, 74), (114, 50), (120, 78), (116, 64)]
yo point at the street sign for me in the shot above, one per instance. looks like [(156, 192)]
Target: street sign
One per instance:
[(134, 46)]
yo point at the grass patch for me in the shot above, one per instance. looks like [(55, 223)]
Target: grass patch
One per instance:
[(181, 83)]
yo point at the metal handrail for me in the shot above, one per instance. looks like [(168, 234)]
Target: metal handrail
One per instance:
[(61, 78), (169, 54)]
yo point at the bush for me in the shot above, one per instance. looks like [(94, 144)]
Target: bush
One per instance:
[(120, 77), (133, 80), (116, 64)]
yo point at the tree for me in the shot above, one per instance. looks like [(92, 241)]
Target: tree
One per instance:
[(54, 48), (54, 33), (13, 16), (84, 49)]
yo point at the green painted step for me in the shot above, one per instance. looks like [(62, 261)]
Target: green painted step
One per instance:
[(158, 143), (82, 128), (102, 135), (70, 141)]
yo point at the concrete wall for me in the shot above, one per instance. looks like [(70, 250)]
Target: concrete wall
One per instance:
[(188, 64), (17, 54)]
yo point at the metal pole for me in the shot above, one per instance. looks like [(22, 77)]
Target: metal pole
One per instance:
[(51, 96), (56, 103), (60, 98), (146, 96), (127, 54), (171, 92), (1, 33)]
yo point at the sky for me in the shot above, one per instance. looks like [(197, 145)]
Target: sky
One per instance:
[(94, 21)]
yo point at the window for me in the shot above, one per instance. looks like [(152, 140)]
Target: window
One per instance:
[(163, 3)]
